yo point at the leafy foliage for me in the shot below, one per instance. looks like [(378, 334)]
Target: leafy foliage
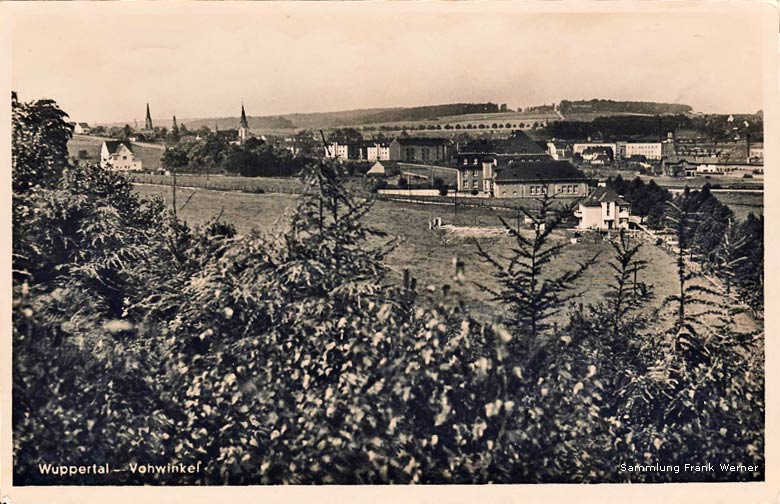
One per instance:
[(295, 357)]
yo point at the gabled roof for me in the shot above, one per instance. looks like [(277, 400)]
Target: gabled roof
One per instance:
[(84, 125), (538, 171), (432, 142), (113, 145), (602, 195)]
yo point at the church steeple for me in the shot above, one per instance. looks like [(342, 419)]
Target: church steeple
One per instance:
[(148, 125), (244, 123), (243, 129)]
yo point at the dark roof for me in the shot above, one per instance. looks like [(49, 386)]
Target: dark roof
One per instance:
[(84, 125), (602, 194), (422, 141), (597, 148), (113, 145), (531, 171), (518, 143)]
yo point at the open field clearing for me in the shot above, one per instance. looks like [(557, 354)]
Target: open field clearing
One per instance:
[(742, 203), (429, 254)]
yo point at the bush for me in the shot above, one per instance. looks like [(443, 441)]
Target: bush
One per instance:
[(293, 358)]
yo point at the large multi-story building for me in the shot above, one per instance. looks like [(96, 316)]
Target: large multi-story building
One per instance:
[(425, 150), (650, 150), (533, 179), (376, 151), (478, 160)]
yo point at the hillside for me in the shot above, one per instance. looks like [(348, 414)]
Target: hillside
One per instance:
[(326, 120)]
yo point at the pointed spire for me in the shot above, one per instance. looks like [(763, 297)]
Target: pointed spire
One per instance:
[(148, 124), (174, 122), (244, 123)]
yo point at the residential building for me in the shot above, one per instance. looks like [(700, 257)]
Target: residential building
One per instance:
[(604, 209), (559, 151), (419, 149), (579, 148), (532, 179), (81, 128), (384, 168), (598, 154), (377, 151), (478, 159), (118, 155), (343, 151), (650, 150)]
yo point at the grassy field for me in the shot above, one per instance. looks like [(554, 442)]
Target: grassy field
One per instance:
[(742, 203), (427, 254), (223, 182), (149, 156)]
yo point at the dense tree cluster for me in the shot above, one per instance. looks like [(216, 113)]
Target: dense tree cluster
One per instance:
[(628, 107), (710, 223), (619, 127), (212, 154), (294, 358)]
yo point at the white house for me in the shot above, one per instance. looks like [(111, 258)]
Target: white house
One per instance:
[(603, 210), (81, 128), (378, 152), (118, 155), (650, 150), (337, 150)]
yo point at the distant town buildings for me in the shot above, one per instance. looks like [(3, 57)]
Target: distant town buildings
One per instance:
[(118, 155)]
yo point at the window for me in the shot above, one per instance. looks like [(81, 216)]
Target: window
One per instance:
[(476, 172), (476, 161), (608, 205), (465, 161), (124, 157)]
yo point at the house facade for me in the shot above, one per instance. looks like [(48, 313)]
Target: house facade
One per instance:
[(533, 179), (423, 150), (604, 209), (377, 152), (117, 155), (478, 160), (81, 128)]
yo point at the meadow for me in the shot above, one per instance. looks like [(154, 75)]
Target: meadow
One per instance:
[(428, 254)]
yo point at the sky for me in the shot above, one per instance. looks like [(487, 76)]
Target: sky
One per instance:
[(105, 62)]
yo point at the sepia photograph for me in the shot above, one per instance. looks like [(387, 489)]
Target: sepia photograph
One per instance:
[(387, 243)]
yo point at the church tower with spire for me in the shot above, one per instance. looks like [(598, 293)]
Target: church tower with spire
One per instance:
[(243, 127), (148, 125)]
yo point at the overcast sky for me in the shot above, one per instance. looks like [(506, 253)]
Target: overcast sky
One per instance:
[(104, 62)]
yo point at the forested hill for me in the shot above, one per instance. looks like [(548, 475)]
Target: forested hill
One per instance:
[(627, 107), (349, 117)]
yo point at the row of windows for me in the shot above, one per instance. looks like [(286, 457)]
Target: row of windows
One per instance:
[(538, 190), (568, 189)]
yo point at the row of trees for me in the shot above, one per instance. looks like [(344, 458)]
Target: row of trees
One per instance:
[(214, 154), (295, 358), (711, 226)]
